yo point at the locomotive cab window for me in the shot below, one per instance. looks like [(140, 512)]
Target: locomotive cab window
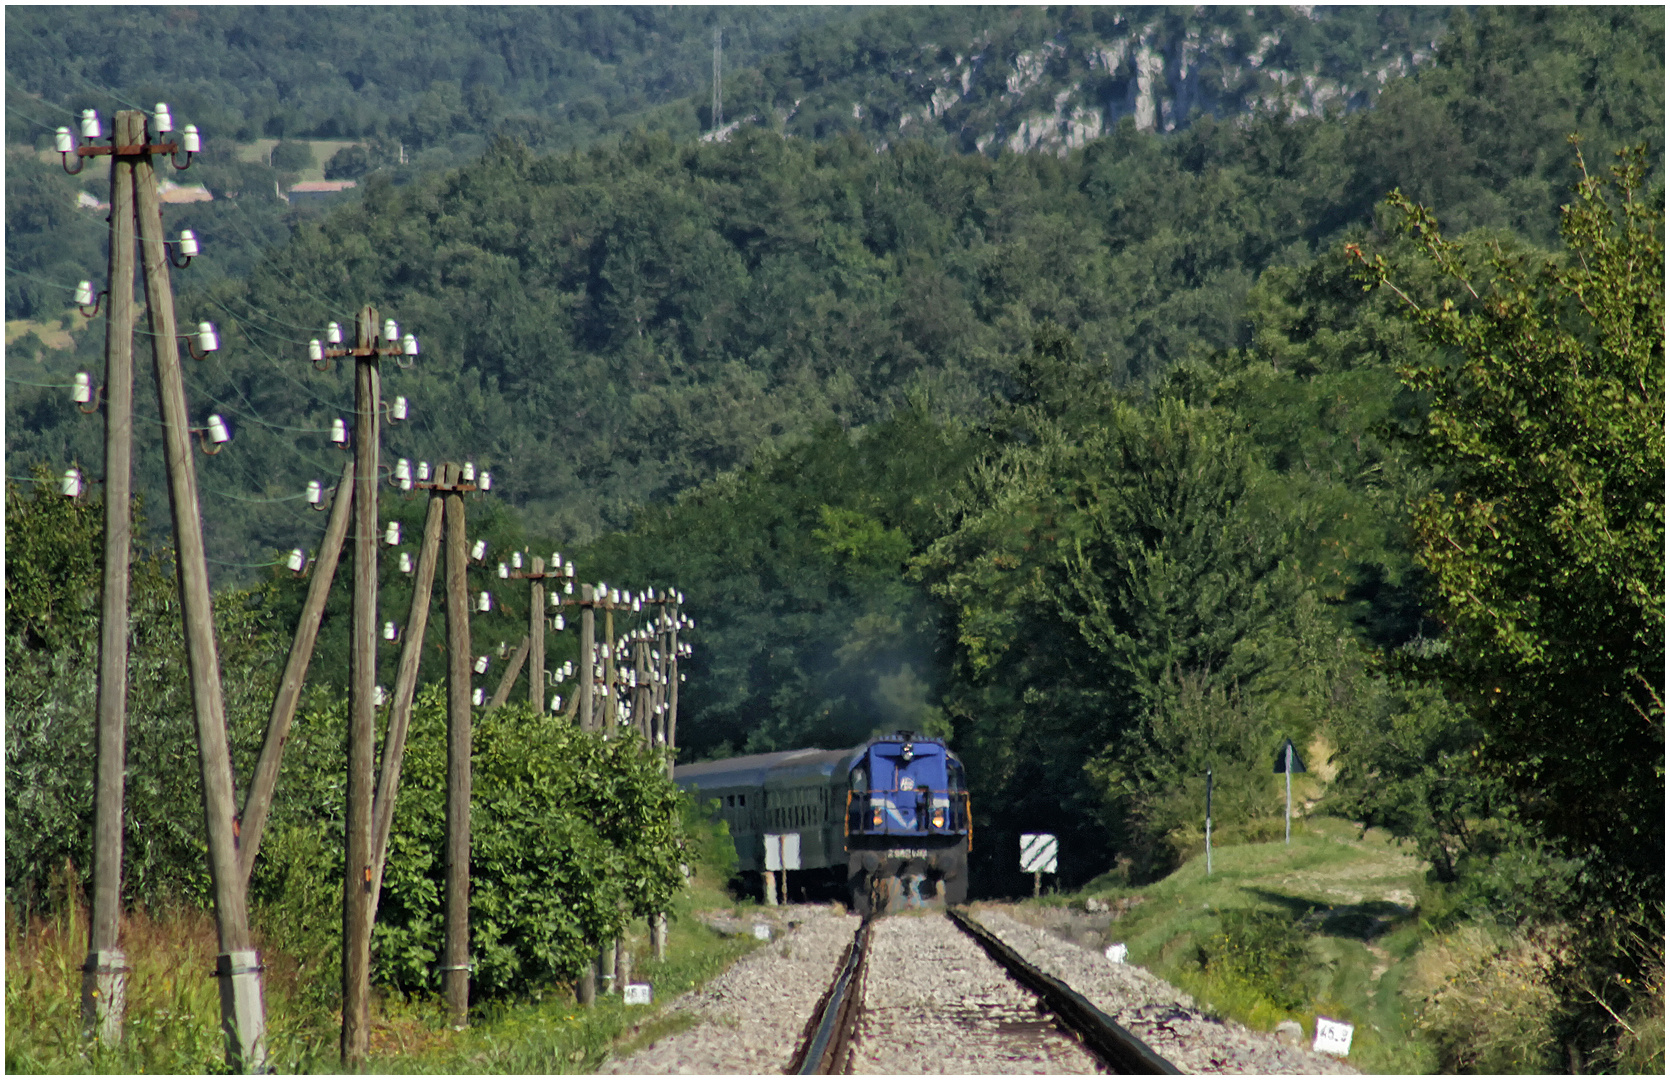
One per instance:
[(860, 779), (954, 774)]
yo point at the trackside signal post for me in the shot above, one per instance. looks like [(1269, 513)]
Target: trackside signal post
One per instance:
[(1208, 822), (1287, 762), (1038, 852)]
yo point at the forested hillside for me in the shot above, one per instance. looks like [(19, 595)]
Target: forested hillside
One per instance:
[(437, 88), (420, 74)]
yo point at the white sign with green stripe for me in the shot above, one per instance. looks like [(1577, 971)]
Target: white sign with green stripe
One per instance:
[(1038, 853)]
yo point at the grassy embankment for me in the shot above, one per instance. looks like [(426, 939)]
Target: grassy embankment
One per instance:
[(1327, 926), (173, 1006)]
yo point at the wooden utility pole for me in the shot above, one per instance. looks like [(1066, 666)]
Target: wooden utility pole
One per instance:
[(672, 686), (455, 970), (104, 974), (512, 668), (405, 683), (532, 647), (536, 635), (238, 966), (611, 709), (663, 627), (611, 704), (258, 802), (588, 649), (642, 710), (587, 990), (362, 709)]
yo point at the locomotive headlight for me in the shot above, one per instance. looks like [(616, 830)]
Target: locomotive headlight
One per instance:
[(939, 818), (875, 817)]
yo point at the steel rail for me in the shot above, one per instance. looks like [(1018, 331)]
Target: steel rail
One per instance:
[(1120, 1050), (824, 1045)]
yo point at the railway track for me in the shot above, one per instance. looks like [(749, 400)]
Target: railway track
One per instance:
[(920, 993), (933, 993)]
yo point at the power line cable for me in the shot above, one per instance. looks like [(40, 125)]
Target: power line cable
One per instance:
[(42, 385), (263, 314), (30, 119), (268, 265), (246, 565), (245, 498), (109, 93), (10, 269), (42, 100)]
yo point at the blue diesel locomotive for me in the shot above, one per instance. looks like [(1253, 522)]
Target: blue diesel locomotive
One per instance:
[(888, 820)]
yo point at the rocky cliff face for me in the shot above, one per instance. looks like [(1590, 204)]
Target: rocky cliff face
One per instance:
[(1051, 83)]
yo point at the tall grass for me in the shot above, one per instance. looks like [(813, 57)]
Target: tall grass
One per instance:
[(173, 1004), (1486, 1001), (172, 1021)]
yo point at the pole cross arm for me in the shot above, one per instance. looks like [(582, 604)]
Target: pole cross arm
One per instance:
[(401, 357), (438, 486), (369, 350), (133, 150)]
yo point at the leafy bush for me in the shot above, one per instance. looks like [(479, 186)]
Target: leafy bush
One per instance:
[(572, 835), (1405, 764), (1264, 951)]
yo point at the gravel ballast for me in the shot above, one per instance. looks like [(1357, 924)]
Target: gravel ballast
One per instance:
[(750, 1018), (1155, 1011), (935, 1003)]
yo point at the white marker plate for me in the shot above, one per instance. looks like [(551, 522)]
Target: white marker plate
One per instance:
[(1332, 1037)]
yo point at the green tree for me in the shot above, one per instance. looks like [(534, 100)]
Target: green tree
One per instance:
[(293, 157), (1126, 597), (349, 163), (1545, 539), (54, 554)]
